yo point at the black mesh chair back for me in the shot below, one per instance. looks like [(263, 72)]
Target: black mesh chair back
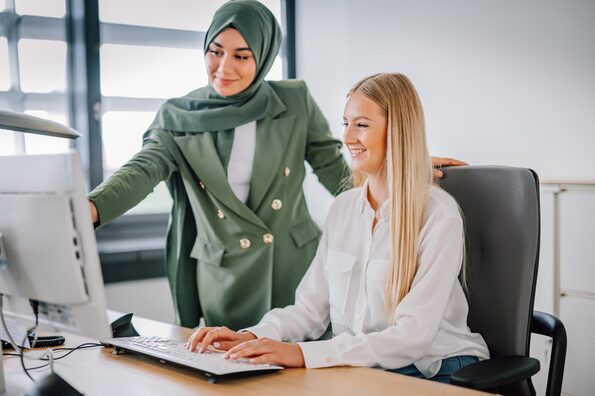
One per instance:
[(500, 207)]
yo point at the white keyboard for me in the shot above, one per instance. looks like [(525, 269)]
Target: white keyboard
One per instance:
[(210, 363)]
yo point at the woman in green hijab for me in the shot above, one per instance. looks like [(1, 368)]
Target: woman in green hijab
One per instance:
[(240, 236)]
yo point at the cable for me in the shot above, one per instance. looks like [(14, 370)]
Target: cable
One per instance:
[(22, 350), (39, 342), (11, 340), (48, 354), (85, 345), (35, 307)]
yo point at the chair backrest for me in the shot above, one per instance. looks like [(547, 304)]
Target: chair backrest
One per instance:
[(500, 207)]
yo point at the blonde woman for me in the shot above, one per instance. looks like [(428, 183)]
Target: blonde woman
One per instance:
[(386, 272)]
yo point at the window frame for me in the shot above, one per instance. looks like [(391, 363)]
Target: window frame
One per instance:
[(131, 247), (14, 27)]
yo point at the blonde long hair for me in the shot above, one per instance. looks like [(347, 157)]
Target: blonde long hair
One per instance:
[(408, 172)]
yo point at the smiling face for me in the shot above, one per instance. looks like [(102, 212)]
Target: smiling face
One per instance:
[(365, 125), (231, 66)]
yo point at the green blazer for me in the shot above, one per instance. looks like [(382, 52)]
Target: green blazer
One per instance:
[(225, 260)]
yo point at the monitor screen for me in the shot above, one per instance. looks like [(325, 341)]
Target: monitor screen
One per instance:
[(48, 251)]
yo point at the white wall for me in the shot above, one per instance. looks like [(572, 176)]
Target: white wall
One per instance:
[(502, 82)]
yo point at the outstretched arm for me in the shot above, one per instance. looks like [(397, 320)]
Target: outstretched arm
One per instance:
[(132, 182)]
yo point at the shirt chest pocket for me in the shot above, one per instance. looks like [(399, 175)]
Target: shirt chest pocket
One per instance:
[(340, 273)]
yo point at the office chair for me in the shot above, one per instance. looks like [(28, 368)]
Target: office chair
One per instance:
[(500, 207)]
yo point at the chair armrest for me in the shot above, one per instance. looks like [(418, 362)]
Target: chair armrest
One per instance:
[(547, 325), (552, 327), (496, 372)]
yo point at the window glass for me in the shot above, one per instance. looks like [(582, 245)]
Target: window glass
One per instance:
[(275, 7), (122, 133), (173, 14), (39, 144), (49, 8), (157, 72), (7, 143), (276, 72), (122, 138), (42, 65), (2, 5), (4, 71), (159, 201)]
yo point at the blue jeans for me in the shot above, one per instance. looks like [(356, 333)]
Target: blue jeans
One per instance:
[(449, 366)]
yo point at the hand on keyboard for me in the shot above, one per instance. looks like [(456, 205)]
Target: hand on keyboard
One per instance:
[(211, 360), (267, 351), (221, 338)]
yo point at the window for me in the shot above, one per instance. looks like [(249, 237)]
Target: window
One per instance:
[(173, 14), (33, 70), (4, 73), (122, 137), (148, 51), (7, 142), (150, 72), (47, 8), (42, 65), (39, 144)]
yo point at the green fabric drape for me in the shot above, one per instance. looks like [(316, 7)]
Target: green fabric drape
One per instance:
[(223, 144)]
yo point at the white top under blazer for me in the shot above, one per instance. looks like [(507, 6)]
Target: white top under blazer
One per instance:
[(345, 286), (241, 158)]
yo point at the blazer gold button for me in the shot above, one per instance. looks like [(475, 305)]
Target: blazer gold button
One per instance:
[(245, 243), (268, 238), (220, 214), (276, 204), (287, 171), (202, 185)]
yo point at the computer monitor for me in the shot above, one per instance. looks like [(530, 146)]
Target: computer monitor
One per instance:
[(47, 242)]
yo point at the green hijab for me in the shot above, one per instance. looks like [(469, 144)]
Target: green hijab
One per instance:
[(204, 110)]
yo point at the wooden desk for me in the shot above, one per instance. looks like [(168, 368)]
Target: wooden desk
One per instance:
[(98, 372)]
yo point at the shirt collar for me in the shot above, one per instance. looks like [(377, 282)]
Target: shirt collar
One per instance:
[(385, 210), (363, 198), (363, 203)]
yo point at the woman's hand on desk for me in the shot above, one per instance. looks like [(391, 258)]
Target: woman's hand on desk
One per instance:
[(220, 337), (267, 351)]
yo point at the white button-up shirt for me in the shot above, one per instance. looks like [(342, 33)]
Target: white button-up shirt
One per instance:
[(345, 285)]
